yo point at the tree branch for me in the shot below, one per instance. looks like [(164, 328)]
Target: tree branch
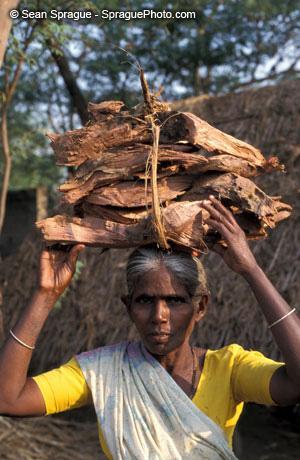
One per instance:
[(75, 92), (5, 24), (10, 88)]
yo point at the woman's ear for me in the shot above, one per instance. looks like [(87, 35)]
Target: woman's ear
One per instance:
[(202, 307)]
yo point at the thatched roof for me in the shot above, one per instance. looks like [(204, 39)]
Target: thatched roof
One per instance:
[(91, 313)]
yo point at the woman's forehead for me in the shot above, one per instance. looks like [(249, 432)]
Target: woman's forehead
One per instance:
[(159, 282)]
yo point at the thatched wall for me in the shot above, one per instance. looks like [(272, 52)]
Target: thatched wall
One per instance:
[(91, 313)]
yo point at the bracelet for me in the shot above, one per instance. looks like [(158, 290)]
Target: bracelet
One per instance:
[(280, 319), (20, 341)]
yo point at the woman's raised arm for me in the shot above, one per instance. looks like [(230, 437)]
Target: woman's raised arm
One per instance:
[(283, 321), (19, 395)]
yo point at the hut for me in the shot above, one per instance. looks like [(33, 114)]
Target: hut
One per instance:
[(23, 208)]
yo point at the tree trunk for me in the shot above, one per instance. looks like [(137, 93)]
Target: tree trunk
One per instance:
[(7, 167), (41, 202), (2, 334), (10, 88), (196, 81), (76, 95), (5, 24)]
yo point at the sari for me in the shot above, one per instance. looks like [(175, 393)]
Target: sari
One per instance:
[(142, 411)]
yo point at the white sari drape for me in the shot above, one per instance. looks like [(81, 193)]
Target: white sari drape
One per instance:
[(142, 411)]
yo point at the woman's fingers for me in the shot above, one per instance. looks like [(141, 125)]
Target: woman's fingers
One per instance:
[(224, 231), (56, 257), (237, 254), (222, 210), (217, 216), (76, 249)]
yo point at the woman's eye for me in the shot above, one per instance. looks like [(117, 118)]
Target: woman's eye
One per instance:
[(175, 300), (144, 300)]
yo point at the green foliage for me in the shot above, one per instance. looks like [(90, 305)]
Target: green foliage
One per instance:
[(33, 161), (31, 170)]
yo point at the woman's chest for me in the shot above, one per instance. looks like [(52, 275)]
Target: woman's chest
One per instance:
[(188, 377)]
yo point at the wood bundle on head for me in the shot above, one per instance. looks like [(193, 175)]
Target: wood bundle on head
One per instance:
[(141, 179)]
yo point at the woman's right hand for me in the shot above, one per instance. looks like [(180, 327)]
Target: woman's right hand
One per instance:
[(57, 267), (19, 395)]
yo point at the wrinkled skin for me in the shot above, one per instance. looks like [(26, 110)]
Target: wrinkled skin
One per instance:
[(165, 316), (162, 305)]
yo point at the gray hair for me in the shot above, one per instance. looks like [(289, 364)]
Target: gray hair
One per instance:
[(187, 269)]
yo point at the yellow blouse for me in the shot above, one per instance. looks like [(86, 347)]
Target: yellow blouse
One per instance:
[(230, 377)]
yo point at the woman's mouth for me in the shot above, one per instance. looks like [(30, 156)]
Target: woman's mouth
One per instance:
[(159, 337)]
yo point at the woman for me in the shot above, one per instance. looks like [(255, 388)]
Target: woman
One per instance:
[(158, 398)]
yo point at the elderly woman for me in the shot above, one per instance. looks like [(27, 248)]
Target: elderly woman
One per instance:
[(158, 398)]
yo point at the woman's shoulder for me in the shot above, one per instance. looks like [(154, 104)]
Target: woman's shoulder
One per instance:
[(233, 353), (106, 351), (231, 350), (237, 357)]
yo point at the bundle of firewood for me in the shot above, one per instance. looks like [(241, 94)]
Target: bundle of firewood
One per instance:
[(140, 178)]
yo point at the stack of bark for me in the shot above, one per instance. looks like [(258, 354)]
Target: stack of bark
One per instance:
[(111, 196)]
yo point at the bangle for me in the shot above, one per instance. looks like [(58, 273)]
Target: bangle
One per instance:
[(20, 341), (280, 319)]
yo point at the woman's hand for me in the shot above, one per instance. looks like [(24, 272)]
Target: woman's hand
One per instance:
[(19, 395), (237, 254), (285, 382), (57, 267)]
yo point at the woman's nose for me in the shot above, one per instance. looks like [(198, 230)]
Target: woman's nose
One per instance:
[(160, 311)]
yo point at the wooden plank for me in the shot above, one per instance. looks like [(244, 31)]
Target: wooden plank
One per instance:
[(133, 194), (183, 226), (237, 191), (188, 127), (124, 165), (74, 147)]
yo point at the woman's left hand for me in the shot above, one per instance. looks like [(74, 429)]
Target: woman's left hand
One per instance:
[(237, 254)]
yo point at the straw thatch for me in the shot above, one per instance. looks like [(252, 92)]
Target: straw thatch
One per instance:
[(48, 438), (91, 313)]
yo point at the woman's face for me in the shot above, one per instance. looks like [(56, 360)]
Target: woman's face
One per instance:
[(163, 312)]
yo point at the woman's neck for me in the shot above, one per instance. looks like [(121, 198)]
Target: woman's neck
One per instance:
[(177, 359), (180, 364)]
